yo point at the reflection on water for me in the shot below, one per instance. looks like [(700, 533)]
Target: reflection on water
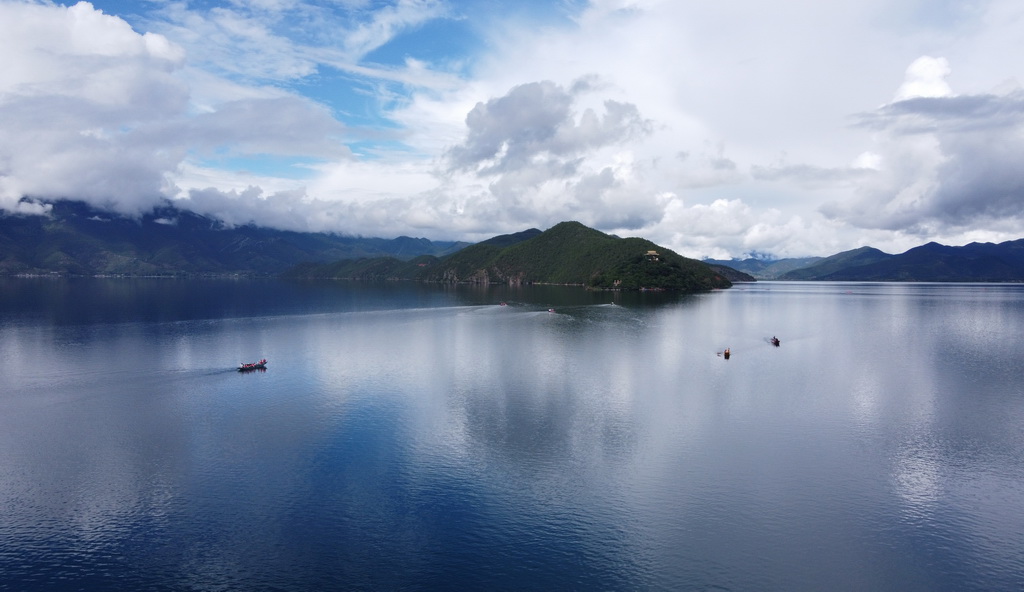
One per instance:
[(411, 436)]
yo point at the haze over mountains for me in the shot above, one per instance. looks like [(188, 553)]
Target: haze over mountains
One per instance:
[(77, 239)]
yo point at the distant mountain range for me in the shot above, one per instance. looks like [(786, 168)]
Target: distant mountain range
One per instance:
[(976, 262), (76, 239), (567, 253), (764, 269)]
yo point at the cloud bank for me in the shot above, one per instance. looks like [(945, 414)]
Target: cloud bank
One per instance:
[(716, 130)]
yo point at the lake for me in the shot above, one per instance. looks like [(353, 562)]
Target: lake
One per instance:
[(423, 437)]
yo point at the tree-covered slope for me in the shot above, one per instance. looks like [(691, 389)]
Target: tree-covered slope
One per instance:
[(76, 239), (571, 253), (567, 253), (932, 262), (835, 263), (507, 240)]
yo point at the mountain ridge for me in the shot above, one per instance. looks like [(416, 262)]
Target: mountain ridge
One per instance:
[(930, 262), (567, 253), (76, 239)]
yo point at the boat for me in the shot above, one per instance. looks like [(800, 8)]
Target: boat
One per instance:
[(775, 341), (245, 367)]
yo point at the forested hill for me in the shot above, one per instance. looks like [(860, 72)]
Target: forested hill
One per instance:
[(567, 253), (76, 239), (932, 262)]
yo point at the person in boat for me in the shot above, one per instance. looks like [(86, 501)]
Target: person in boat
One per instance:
[(726, 353), (775, 341)]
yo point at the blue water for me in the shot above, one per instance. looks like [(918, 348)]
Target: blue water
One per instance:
[(416, 437)]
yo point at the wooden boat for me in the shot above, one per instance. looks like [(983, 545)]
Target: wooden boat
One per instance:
[(261, 365)]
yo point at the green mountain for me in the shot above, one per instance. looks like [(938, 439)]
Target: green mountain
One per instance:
[(507, 240), (932, 262), (567, 253), (836, 263), (76, 239)]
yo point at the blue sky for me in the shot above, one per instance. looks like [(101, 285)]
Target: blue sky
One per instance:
[(716, 129)]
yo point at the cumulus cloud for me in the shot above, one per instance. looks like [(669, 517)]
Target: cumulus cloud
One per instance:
[(945, 163), (535, 123), (926, 77), (78, 105), (713, 128), (720, 229), (546, 160), (93, 110)]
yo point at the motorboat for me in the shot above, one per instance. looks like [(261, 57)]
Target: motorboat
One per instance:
[(245, 367)]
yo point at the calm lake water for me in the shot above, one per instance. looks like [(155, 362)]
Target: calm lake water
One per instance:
[(414, 437)]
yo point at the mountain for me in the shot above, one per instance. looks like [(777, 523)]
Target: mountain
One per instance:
[(391, 268), (567, 253), (836, 263), (571, 253), (507, 240), (76, 239), (932, 262), (764, 269)]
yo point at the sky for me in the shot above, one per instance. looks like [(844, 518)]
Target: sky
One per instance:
[(720, 129)]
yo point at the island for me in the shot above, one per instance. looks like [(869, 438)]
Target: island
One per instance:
[(568, 253)]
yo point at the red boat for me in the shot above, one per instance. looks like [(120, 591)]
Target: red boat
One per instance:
[(261, 365)]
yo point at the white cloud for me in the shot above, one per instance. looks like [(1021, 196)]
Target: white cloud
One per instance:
[(284, 126), (93, 110), (926, 77), (946, 166), (78, 101), (535, 126), (714, 128), (385, 23)]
